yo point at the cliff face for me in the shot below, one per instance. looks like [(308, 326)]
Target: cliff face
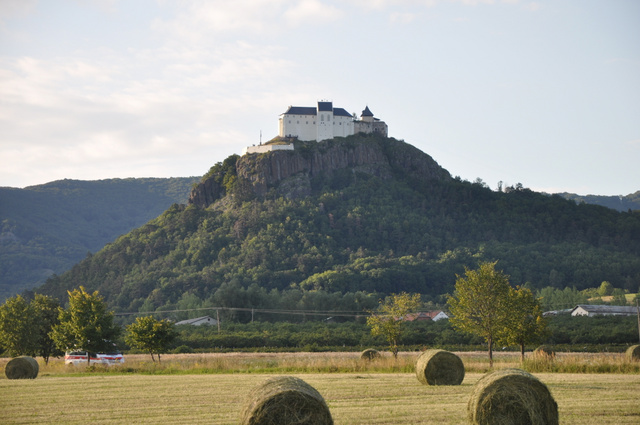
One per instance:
[(290, 172)]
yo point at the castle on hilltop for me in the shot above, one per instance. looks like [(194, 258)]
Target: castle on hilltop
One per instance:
[(326, 122), (320, 123)]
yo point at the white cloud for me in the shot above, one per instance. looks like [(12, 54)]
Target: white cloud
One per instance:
[(13, 8), (313, 12)]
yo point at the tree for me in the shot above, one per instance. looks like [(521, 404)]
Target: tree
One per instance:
[(605, 289), (85, 324), (18, 327), (45, 310), (388, 320), (526, 324), (151, 335), (480, 303)]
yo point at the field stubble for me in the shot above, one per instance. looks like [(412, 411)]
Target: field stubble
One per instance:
[(356, 394)]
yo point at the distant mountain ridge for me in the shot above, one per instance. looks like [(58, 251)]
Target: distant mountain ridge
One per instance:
[(619, 203), (47, 228)]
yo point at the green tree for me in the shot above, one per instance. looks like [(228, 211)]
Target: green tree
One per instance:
[(45, 310), (605, 289), (388, 319), (18, 325), (526, 324), (85, 324), (151, 335), (480, 303)]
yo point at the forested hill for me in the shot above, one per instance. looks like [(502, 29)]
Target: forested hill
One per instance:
[(332, 222), (48, 228), (620, 203)]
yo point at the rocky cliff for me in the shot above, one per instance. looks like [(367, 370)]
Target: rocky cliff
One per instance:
[(291, 172)]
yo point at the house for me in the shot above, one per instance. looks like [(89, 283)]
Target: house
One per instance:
[(604, 310), (323, 122), (198, 321), (426, 315)]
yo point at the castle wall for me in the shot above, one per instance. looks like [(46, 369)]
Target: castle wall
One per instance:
[(324, 124), (267, 148), (301, 126), (321, 123)]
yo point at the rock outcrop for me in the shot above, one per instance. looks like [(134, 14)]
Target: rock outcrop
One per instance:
[(291, 171)]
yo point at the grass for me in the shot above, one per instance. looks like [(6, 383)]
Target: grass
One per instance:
[(338, 362), (353, 398), (200, 389)]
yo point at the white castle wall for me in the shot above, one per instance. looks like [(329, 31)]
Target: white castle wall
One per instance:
[(267, 148)]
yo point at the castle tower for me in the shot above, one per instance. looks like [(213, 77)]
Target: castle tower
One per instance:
[(324, 121), (367, 115)]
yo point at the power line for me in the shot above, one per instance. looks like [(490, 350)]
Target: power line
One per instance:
[(339, 313)]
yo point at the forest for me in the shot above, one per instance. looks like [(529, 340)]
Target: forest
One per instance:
[(355, 238), (47, 228)]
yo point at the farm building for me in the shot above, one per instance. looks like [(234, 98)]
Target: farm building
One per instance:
[(426, 315), (198, 321), (604, 310)]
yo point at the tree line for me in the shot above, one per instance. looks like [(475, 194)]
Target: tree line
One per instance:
[(41, 327), (485, 309)]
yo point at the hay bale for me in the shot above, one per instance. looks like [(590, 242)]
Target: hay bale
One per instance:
[(22, 368), (633, 353), (369, 354), (544, 351), (285, 400), (439, 367), (511, 396)]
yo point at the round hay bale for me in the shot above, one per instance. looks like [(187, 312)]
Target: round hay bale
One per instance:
[(633, 353), (369, 354), (439, 367), (22, 368), (544, 351), (285, 400), (511, 396)]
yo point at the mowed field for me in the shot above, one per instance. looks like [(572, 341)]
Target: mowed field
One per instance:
[(361, 397)]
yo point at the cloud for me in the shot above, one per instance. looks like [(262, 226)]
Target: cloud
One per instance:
[(313, 12), (13, 8)]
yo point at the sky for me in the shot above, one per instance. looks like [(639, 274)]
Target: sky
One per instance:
[(542, 93)]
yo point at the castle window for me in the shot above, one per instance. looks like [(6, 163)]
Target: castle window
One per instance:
[(289, 121), (322, 117), (297, 122)]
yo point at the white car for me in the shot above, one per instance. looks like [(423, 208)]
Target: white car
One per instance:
[(80, 357)]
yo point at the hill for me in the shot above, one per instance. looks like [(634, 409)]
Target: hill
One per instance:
[(331, 223), (48, 228), (629, 202)]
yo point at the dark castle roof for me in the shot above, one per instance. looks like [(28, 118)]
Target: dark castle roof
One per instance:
[(325, 106), (310, 110), (366, 112)]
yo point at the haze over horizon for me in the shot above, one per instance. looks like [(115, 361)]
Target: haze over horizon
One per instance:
[(543, 93)]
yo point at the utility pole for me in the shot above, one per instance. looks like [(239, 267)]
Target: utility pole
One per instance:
[(218, 319), (638, 310)]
